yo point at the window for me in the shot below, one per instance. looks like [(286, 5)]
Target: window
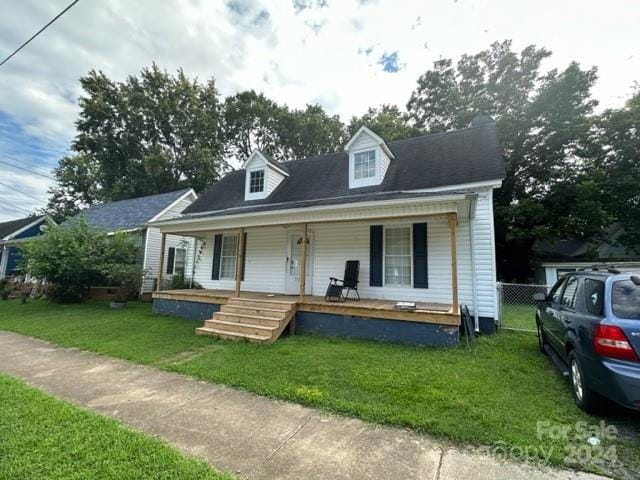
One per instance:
[(179, 262), (397, 256), (625, 299), (228, 257), (556, 291), (569, 294), (364, 165), (594, 296), (256, 181)]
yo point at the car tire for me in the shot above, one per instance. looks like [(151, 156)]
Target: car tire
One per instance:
[(585, 398), (542, 339)]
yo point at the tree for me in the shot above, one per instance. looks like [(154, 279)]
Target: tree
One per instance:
[(73, 257), (544, 124), (387, 121), (153, 133)]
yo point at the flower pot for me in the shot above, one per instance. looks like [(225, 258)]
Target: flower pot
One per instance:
[(118, 304)]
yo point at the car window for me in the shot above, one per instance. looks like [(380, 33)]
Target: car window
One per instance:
[(625, 299), (569, 294), (556, 291), (594, 296)]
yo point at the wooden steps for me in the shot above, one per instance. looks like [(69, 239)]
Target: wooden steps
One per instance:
[(253, 320)]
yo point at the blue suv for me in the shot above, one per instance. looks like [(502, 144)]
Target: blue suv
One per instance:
[(589, 324)]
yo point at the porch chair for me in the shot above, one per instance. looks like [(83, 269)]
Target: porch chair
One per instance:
[(336, 288)]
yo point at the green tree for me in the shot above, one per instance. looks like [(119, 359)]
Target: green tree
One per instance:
[(544, 123), (387, 121), (73, 257), (152, 133)]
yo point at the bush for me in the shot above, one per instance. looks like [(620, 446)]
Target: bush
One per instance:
[(73, 257)]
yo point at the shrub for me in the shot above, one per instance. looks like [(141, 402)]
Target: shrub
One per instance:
[(74, 256)]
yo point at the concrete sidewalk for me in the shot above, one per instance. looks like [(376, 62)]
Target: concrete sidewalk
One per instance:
[(244, 433)]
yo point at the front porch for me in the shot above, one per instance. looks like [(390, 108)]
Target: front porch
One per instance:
[(375, 319)]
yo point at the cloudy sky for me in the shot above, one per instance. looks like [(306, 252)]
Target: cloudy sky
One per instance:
[(344, 54)]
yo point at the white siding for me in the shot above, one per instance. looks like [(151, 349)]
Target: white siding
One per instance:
[(484, 255), (273, 179)]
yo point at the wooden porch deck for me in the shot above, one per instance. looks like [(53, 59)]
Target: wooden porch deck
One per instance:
[(437, 313)]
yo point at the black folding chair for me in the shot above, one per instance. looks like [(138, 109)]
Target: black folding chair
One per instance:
[(336, 288)]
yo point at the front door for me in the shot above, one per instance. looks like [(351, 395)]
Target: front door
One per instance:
[(294, 254)]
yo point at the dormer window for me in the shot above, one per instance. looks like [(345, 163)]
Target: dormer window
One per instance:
[(256, 181), (364, 164)]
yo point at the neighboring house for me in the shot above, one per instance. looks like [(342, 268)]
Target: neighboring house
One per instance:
[(416, 213), (133, 215), (12, 233), (565, 256)]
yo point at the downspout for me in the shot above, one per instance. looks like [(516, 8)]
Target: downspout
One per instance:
[(193, 261), (474, 293)]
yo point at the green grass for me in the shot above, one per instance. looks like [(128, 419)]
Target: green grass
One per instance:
[(519, 315), (493, 393), (45, 438)]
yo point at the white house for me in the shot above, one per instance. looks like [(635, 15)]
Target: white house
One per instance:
[(132, 216), (417, 214)]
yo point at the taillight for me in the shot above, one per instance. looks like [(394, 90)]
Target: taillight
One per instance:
[(610, 341)]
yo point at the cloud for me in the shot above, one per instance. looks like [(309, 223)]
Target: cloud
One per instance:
[(300, 5), (389, 62)]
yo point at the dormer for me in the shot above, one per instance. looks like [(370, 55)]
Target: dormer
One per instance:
[(263, 175), (369, 158)]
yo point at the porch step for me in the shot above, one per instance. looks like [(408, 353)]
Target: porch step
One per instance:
[(248, 319), (255, 320), (214, 332), (257, 311)]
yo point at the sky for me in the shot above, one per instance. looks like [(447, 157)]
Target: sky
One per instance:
[(346, 55)]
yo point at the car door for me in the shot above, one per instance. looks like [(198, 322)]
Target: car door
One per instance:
[(551, 310)]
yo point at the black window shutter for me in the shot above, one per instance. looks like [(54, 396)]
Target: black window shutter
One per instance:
[(420, 257), (375, 255), (244, 256), (170, 259), (217, 249)]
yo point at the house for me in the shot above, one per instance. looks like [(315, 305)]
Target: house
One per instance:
[(12, 233), (417, 214), (568, 255), (132, 216)]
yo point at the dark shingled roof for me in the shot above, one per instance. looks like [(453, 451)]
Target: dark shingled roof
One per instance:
[(128, 214), (7, 228), (444, 159)]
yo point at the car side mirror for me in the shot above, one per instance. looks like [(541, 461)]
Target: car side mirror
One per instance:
[(539, 297)]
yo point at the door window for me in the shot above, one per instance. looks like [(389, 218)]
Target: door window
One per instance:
[(569, 294), (594, 296), (556, 291)]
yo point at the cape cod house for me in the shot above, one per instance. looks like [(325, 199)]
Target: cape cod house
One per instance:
[(12, 234), (417, 214), (132, 216)]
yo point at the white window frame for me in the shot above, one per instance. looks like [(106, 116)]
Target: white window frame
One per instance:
[(235, 257), (175, 258), (248, 195), (364, 182), (384, 255)]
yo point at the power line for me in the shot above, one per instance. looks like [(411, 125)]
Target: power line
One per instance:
[(21, 192), (39, 32), (20, 161), (28, 170), (14, 207)]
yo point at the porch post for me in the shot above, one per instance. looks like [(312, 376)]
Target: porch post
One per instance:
[(453, 221), (239, 261), (163, 241), (303, 260)]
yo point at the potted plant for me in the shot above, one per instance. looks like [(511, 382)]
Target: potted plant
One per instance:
[(127, 278)]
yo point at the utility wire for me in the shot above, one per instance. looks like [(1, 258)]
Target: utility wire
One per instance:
[(39, 32), (28, 170), (21, 192), (20, 161), (14, 207)]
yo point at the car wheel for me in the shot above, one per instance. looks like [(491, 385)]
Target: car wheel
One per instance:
[(585, 398), (542, 339)]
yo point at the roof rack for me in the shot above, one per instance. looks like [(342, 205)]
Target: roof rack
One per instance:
[(598, 268)]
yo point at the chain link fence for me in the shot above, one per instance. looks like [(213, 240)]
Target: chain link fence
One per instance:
[(517, 309)]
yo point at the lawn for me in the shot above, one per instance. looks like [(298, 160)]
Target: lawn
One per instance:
[(492, 393), (45, 438), (519, 316)]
